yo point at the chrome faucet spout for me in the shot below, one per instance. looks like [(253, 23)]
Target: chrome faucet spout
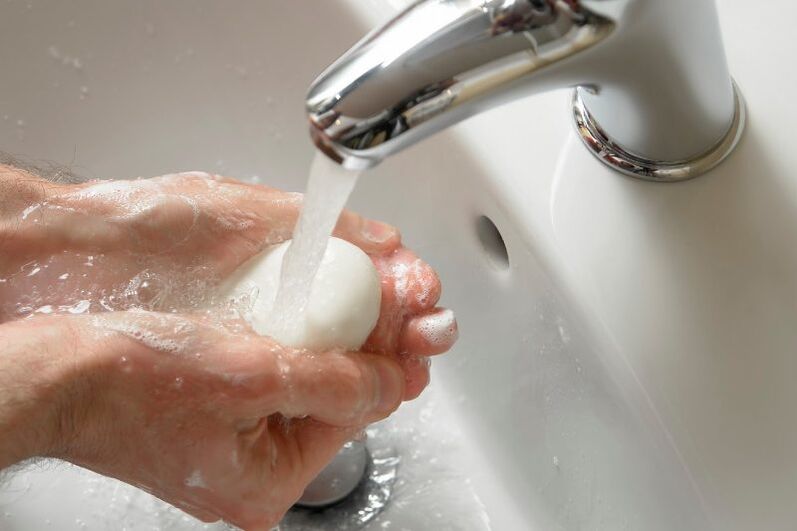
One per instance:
[(441, 61)]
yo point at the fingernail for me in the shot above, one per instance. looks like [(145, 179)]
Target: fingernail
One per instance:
[(439, 329), (377, 232), (390, 388)]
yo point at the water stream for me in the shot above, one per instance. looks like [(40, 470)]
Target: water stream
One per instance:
[(328, 188)]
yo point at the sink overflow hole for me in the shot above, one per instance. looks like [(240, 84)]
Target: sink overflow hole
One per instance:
[(493, 243)]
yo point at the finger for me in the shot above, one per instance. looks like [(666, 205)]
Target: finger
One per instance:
[(417, 375), (415, 285), (373, 237), (430, 334), (409, 287), (342, 389)]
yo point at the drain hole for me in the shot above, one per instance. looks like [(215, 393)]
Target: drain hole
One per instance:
[(492, 241)]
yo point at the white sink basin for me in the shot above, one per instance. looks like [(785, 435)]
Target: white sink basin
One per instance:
[(630, 363)]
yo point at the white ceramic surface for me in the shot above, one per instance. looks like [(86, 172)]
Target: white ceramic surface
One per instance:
[(634, 365)]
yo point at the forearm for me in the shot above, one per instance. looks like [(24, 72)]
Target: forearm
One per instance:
[(34, 380), (36, 220), (20, 189), (18, 355), (17, 440)]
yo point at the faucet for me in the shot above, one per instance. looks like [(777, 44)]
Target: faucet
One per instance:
[(652, 97)]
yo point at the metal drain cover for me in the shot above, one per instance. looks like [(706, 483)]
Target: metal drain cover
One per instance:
[(361, 506), (338, 479)]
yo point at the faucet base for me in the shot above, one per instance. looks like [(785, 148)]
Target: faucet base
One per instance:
[(615, 156)]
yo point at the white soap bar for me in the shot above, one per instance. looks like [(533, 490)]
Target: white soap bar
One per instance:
[(344, 300)]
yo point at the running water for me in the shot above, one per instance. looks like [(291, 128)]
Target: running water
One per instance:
[(328, 189)]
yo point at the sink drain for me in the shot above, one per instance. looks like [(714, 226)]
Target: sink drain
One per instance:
[(339, 478), (361, 506)]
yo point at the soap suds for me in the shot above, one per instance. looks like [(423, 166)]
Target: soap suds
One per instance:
[(195, 480), (439, 328), (399, 272), (28, 211), (155, 336), (415, 277)]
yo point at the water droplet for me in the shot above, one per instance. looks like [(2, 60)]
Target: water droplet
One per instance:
[(27, 268), (80, 307)]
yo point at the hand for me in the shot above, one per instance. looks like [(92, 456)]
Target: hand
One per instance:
[(169, 422), (213, 419), (161, 244)]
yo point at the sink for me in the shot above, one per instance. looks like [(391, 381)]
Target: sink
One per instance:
[(627, 351)]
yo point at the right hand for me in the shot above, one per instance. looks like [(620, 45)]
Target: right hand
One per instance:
[(120, 396), (213, 419)]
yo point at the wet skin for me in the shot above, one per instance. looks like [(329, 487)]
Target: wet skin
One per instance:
[(117, 365)]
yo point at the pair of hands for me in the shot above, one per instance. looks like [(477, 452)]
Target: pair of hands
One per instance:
[(109, 357)]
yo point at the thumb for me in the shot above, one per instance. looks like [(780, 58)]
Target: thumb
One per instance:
[(341, 388)]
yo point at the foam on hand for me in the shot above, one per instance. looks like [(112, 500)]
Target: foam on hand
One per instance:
[(342, 308)]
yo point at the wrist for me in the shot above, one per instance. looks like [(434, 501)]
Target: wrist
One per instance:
[(40, 382), (18, 190)]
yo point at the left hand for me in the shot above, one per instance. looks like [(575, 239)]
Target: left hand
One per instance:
[(161, 244)]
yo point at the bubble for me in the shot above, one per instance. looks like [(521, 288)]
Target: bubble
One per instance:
[(79, 307), (440, 328)]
